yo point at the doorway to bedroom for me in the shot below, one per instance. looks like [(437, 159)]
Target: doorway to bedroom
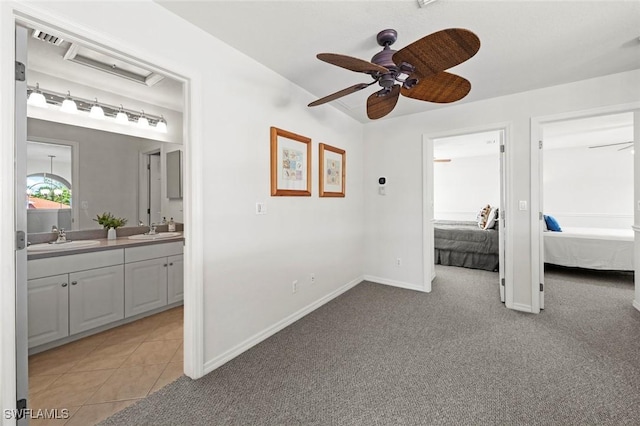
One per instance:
[(468, 195), (587, 206)]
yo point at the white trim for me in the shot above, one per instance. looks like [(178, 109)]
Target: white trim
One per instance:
[(635, 228), (394, 283), (636, 305), (535, 180), (273, 329)]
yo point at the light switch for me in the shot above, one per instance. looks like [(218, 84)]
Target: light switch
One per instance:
[(382, 190), (261, 208), (523, 204)]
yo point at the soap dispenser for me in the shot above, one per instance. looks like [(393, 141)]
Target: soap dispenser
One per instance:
[(172, 225)]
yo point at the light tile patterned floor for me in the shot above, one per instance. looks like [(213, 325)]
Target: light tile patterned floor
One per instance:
[(102, 374)]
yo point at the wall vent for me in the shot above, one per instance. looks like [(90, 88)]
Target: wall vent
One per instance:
[(49, 38)]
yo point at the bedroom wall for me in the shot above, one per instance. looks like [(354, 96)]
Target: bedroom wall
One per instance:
[(249, 260), (394, 149), (464, 186), (589, 187)]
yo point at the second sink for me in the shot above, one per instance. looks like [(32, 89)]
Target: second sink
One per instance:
[(157, 236)]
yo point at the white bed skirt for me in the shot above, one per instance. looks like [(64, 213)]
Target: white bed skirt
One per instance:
[(592, 248)]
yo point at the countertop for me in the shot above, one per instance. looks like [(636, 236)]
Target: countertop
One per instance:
[(105, 244)]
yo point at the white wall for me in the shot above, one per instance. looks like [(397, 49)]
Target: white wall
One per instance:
[(465, 185), (249, 261), (394, 149), (585, 187)]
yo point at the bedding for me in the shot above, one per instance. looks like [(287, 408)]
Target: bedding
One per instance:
[(464, 244), (591, 248)]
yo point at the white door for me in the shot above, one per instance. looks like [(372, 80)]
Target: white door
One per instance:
[(22, 373), (48, 309), (96, 297), (155, 189), (175, 279), (501, 219), (540, 227), (429, 272), (145, 286)]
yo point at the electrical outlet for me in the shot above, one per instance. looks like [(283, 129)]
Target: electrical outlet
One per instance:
[(398, 262), (294, 287), (313, 278)]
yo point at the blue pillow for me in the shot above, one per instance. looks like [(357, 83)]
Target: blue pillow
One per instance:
[(552, 224)]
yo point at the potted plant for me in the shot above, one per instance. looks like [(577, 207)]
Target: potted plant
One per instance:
[(110, 222)]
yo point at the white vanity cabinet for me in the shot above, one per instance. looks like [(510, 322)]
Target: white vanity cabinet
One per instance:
[(175, 279), (148, 276), (48, 305)]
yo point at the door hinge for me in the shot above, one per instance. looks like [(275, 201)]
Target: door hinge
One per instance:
[(540, 144), (502, 282), (148, 211), (20, 240), (21, 406), (502, 148), (148, 166), (541, 287), (20, 71)]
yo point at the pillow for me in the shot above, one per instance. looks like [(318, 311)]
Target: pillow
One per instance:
[(491, 219), (483, 216), (552, 224), (545, 228)]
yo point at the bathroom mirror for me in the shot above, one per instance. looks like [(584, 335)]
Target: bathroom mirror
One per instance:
[(97, 172), (174, 174)]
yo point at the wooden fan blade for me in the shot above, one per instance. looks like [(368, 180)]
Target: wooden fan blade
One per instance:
[(441, 88), (439, 51), (339, 94), (351, 63), (380, 105)]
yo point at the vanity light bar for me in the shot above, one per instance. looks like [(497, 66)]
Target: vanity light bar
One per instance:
[(55, 98)]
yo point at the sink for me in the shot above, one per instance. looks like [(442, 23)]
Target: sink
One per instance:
[(69, 245), (157, 236)]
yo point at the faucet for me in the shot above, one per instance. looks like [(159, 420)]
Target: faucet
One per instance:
[(152, 229), (62, 236)]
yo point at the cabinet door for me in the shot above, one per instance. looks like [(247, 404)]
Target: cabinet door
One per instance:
[(145, 286), (96, 297), (175, 284), (48, 309)]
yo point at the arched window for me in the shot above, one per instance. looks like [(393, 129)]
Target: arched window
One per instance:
[(48, 191)]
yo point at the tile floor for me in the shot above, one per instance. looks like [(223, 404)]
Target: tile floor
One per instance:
[(102, 374)]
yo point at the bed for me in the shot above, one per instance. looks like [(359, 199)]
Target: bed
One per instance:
[(465, 244), (591, 248)]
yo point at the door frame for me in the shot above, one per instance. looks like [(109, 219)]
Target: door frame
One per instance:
[(505, 214), (15, 13), (537, 244)]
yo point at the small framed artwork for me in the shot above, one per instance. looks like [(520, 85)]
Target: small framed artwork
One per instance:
[(290, 164), (332, 171)]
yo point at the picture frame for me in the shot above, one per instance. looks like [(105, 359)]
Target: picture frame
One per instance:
[(332, 171), (290, 164)]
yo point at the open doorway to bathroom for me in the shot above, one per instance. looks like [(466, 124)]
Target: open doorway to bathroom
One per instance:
[(116, 342)]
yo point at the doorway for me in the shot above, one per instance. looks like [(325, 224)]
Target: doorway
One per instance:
[(585, 184), (473, 161), (193, 314)]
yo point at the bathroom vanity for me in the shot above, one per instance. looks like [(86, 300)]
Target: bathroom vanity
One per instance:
[(81, 291)]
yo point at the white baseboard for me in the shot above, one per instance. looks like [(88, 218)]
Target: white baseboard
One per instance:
[(394, 283), (521, 307), (636, 304), (227, 356)]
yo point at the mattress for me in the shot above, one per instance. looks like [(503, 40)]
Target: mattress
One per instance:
[(464, 244), (591, 248)]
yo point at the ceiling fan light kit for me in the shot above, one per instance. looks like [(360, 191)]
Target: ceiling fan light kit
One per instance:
[(416, 71)]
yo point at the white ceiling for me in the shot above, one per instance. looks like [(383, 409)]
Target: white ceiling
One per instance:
[(525, 44)]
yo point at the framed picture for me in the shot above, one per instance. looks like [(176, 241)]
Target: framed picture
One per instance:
[(290, 164), (332, 171)]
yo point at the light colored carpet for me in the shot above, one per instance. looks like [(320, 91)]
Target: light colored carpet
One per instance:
[(379, 355)]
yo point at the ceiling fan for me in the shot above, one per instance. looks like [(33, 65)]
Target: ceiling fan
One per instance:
[(416, 71), (628, 145)]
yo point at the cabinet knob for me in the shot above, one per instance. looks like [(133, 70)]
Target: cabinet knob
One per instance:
[(165, 265), (64, 284), (171, 264), (74, 282)]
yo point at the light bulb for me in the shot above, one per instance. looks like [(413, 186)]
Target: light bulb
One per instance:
[(68, 105), (36, 98), (121, 116), (142, 121), (161, 125), (96, 111)]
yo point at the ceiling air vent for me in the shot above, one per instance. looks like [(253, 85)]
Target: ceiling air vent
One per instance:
[(49, 38)]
